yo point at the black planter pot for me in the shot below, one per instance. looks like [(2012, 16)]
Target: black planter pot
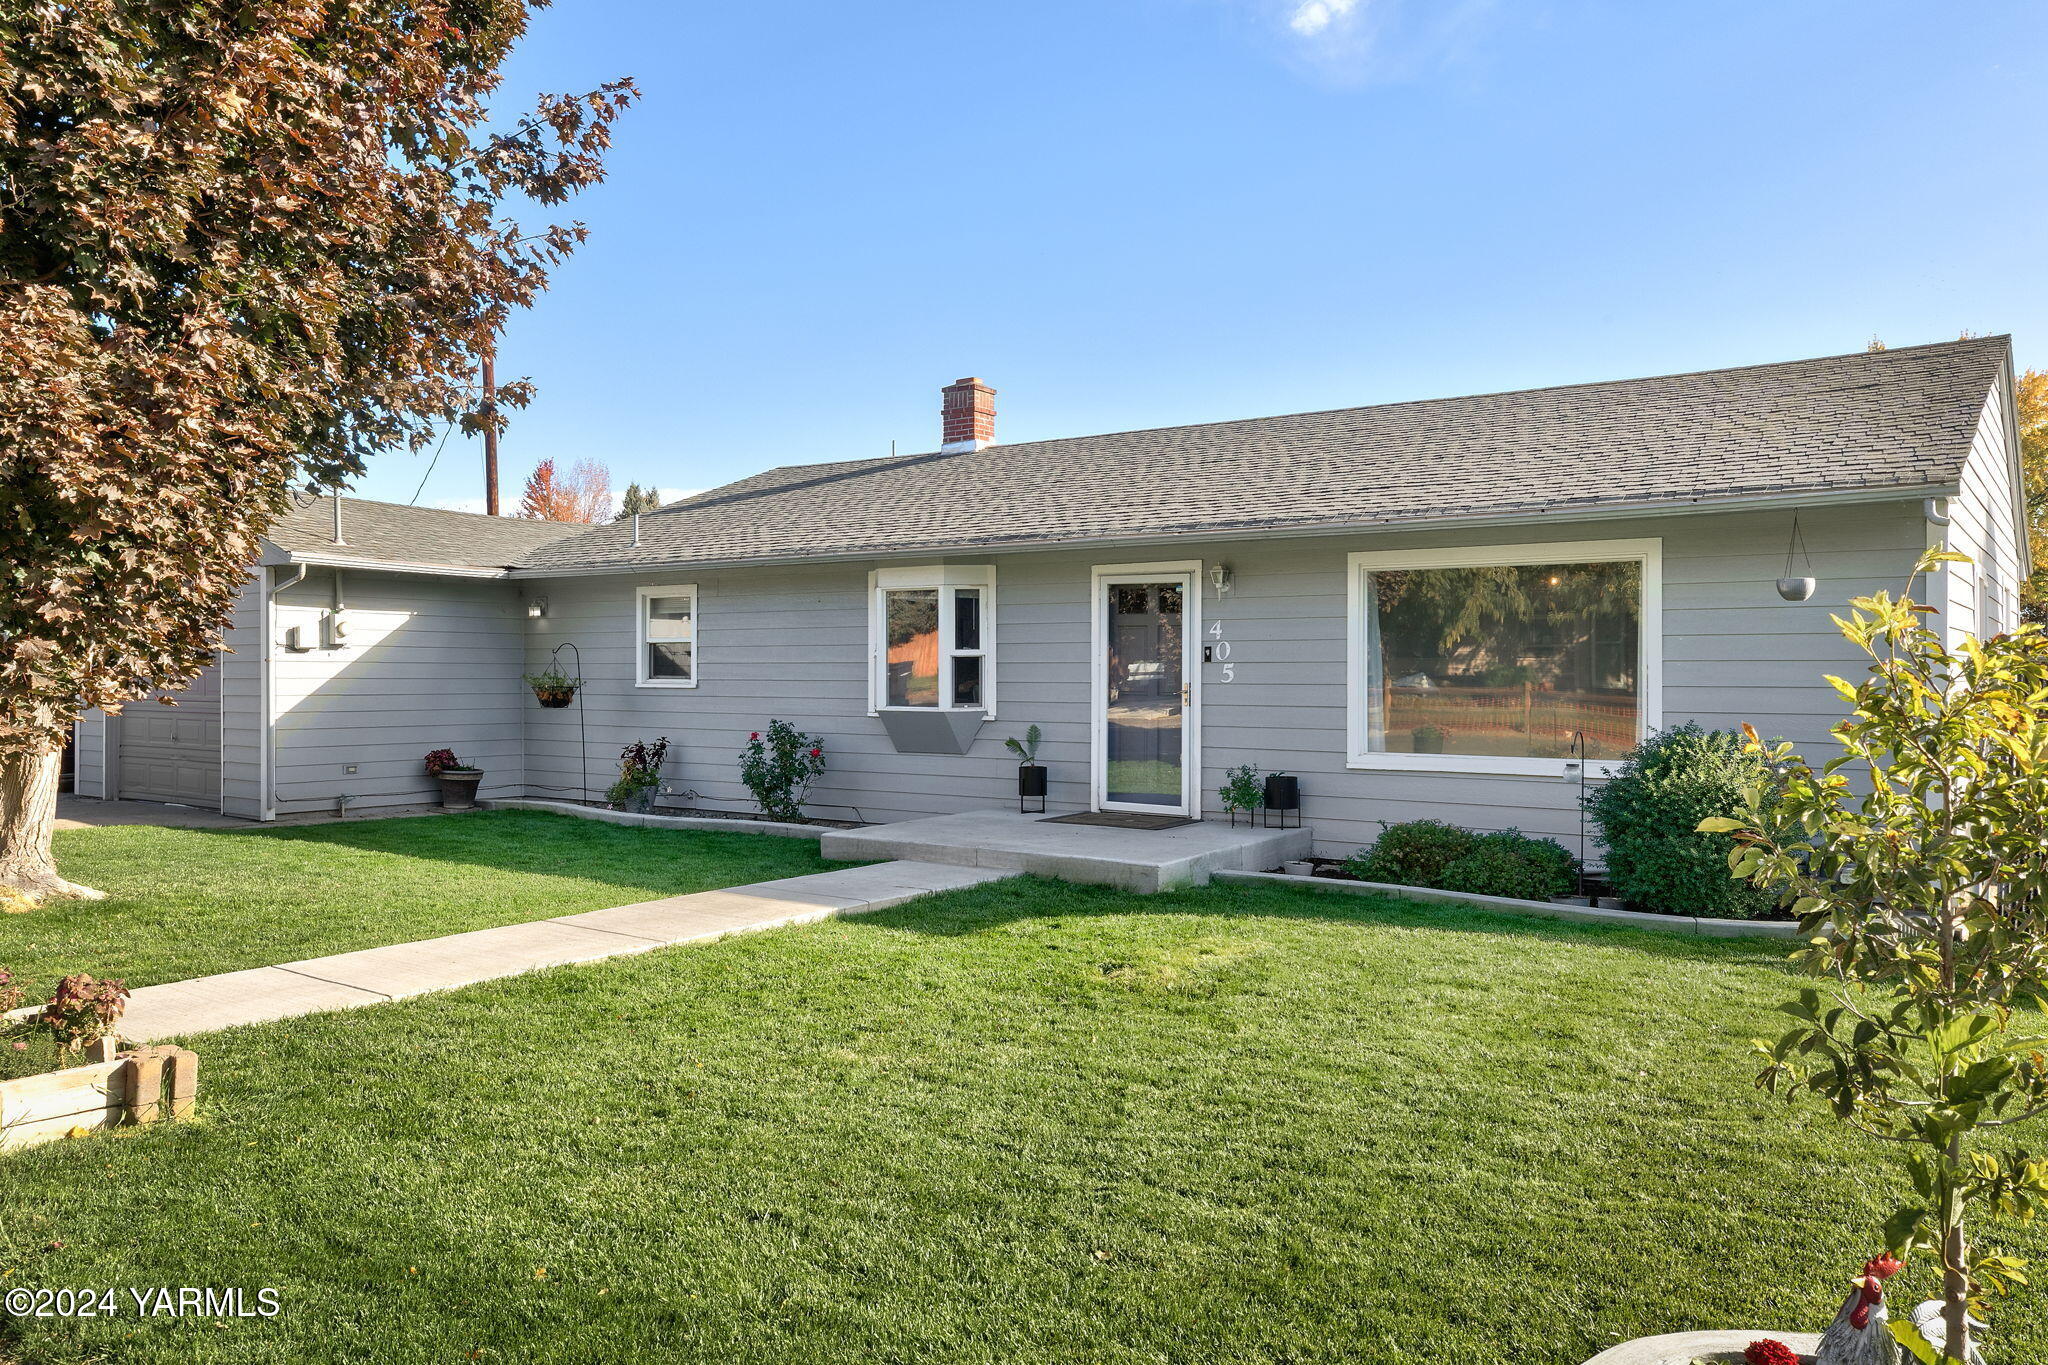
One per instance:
[(1283, 794), (1030, 786), (554, 698), (458, 787)]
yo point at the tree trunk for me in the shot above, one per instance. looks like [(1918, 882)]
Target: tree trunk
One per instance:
[(28, 814), (1955, 1293)]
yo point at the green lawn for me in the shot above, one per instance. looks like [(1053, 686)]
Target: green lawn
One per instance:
[(1023, 1123), (191, 902)]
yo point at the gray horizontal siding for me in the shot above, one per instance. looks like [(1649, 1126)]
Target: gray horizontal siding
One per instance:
[(428, 663), (792, 643)]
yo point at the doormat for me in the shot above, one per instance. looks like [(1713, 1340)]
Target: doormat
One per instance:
[(1120, 819)]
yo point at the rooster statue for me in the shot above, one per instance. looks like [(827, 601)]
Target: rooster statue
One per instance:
[(1859, 1335)]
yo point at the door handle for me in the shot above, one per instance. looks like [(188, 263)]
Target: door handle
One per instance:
[(1184, 695)]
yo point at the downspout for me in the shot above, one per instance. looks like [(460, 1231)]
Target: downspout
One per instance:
[(268, 751)]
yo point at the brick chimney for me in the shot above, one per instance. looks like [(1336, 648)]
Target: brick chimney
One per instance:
[(968, 412)]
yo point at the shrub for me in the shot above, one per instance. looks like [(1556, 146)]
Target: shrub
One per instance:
[(1510, 863), (83, 1011), (1649, 813), (780, 768), (1411, 854), (639, 770), (439, 761)]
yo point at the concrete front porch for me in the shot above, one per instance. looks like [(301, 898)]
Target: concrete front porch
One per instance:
[(1137, 860)]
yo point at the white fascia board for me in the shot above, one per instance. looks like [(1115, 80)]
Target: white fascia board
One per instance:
[(327, 561), (1606, 512)]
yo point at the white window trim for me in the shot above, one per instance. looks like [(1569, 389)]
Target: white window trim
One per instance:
[(940, 576), (640, 597), (1649, 553)]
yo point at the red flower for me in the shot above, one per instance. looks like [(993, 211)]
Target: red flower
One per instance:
[(755, 735), (816, 753), (1768, 1352)]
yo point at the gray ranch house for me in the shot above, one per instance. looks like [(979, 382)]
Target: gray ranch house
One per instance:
[(1460, 608)]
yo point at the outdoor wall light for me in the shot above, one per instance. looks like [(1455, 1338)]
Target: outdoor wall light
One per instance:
[(536, 607), (1223, 577)]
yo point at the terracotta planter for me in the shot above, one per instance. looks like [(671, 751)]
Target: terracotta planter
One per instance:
[(458, 787)]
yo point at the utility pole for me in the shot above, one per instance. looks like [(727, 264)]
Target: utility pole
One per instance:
[(490, 414)]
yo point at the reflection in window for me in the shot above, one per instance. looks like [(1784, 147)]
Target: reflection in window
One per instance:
[(913, 647), (1517, 661)]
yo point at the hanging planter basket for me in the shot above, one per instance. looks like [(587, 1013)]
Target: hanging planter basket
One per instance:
[(553, 688)]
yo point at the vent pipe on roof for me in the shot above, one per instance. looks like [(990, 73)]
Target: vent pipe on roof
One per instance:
[(636, 528), (967, 413), (337, 518)]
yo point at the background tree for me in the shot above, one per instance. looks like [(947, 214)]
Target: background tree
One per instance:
[(1924, 903), (2030, 409), (243, 246), (583, 494), (638, 501)]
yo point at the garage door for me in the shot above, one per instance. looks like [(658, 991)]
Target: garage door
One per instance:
[(172, 753)]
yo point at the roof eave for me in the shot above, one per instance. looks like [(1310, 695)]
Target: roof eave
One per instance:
[(1699, 506), (323, 560)]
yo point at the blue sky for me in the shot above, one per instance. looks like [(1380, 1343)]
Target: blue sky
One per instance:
[(1134, 213)]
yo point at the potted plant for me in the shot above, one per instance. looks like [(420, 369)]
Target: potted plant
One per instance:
[(1241, 791), (1030, 772), (1430, 739), (639, 775), (458, 780), (552, 687), (1282, 794)]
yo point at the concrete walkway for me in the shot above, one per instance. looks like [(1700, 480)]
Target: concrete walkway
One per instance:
[(374, 975)]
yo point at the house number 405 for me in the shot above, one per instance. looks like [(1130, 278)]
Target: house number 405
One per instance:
[(1218, 651)]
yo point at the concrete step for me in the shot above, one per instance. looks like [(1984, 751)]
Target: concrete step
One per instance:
[(1141, 860)]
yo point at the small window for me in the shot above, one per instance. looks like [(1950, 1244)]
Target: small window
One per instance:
[(931, 638), (668, 637)]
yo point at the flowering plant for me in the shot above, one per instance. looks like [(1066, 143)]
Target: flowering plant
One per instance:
[(1769, 1352), (442, 760), (780, 768), (83, 1011), (639, 769)]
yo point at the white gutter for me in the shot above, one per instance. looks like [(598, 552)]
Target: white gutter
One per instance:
[(328, 561), (1609, 512)]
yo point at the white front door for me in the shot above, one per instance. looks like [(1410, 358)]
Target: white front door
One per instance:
[(1145, 688)]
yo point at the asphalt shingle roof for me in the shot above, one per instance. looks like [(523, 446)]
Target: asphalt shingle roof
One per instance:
[(390, 532), (1900, 419)]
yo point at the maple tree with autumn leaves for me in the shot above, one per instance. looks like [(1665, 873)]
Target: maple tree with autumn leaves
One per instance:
[(583, 494), (243, 247)]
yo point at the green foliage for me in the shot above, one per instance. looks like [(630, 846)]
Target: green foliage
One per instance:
[(1510, 863), (780, 768), (1926, 902), (553, 678), (637, 501), (639, 770), (1649, 814), (1241, 789), (1026, 749), (1412, 854)]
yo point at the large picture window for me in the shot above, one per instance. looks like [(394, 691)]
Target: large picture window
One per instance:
[(667, 637), (1505, 659), (931, 637)]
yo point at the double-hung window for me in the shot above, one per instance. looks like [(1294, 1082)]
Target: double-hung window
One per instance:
[(931, 636), (666, 637), (1505, 658)]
